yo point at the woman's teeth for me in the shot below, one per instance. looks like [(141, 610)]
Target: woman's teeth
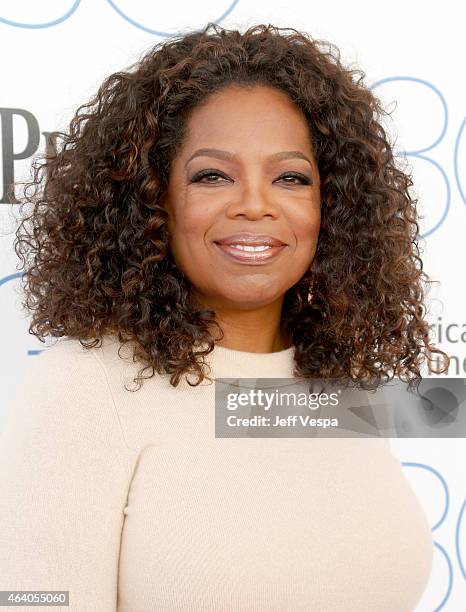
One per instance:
[(244, 247)]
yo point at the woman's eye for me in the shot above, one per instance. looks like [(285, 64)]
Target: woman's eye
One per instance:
[(204, 174), (295, 176)]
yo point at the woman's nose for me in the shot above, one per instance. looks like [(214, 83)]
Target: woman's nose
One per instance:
[(253, 201)]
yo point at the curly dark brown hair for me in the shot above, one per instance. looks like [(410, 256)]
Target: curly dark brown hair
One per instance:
[(97, 251)]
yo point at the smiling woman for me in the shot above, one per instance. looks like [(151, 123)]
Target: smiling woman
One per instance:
[(266, 191), (229, 208)]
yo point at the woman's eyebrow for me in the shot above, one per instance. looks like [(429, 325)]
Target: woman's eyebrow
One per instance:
[(227, 155)]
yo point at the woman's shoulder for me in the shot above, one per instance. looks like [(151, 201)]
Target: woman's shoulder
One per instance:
[(64, 381), (107, 368), (72, 356), (65, 348)]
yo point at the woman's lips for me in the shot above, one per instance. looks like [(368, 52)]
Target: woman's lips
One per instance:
[(250, 257)]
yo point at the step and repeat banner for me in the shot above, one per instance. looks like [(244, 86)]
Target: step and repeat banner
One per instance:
[(55, 54)]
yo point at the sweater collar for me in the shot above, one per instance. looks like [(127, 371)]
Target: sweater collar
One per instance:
[(231, 363)]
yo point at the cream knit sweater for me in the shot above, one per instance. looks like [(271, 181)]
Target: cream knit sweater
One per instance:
[(128, 501)]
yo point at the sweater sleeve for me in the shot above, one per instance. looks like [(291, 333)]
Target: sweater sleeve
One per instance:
[(64, 472)]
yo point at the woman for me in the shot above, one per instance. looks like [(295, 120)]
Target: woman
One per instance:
[(230, 207)]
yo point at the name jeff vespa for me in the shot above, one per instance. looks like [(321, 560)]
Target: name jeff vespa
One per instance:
[(291, 420)]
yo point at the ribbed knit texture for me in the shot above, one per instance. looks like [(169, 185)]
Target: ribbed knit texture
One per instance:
[(128, 500)]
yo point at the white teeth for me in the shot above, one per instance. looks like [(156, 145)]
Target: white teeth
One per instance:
[(244, 247)]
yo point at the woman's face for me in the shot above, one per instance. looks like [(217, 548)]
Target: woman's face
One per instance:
[(262, 179)]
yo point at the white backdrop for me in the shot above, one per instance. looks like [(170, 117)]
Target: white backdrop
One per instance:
[(56, 53)]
